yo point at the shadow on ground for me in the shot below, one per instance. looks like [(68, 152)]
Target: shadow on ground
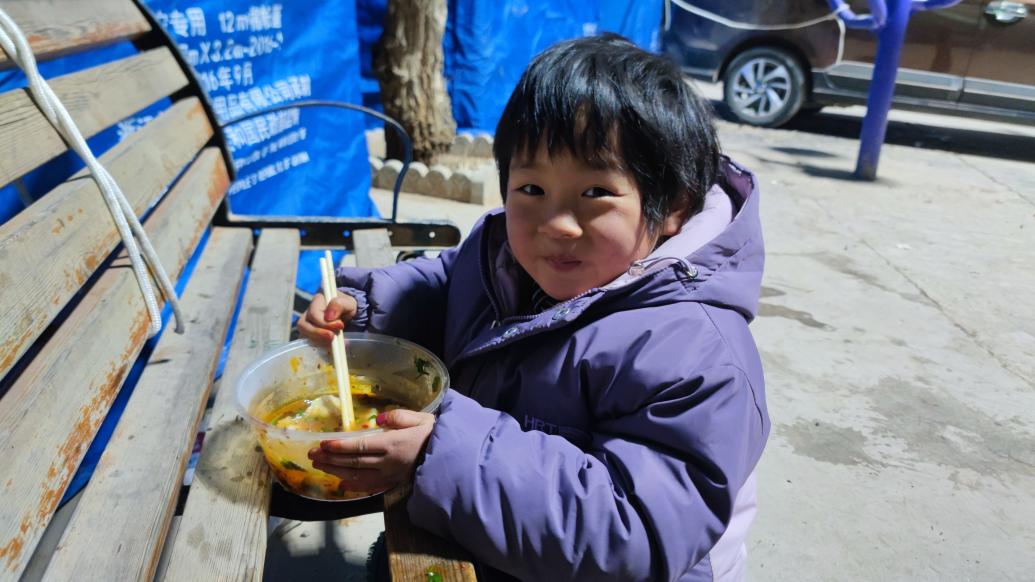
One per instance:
[(327, 559), (951, 139)]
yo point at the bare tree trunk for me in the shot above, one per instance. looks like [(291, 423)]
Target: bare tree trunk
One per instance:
[(408, 65)]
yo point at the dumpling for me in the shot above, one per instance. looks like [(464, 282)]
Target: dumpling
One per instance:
[(321, 415)]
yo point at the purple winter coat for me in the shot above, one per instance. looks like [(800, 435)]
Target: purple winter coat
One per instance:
[(613, 436)]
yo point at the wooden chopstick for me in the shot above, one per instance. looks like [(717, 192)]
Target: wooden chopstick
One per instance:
[(341, 366)]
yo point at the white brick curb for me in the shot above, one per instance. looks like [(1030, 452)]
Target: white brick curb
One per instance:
[(476, 185)]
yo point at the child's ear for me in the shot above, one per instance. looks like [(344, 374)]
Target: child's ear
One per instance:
[(673, 223)]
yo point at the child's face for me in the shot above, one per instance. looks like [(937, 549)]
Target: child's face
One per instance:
[(573, 227)]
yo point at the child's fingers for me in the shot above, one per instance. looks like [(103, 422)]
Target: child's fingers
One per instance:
[(312, 332), (372, 445), (334, 308), (341, 308), (373, 462), (312, 325), (361, 476), (315, 318), (316, 312), (401, 418), (318, 304), (306, 330)]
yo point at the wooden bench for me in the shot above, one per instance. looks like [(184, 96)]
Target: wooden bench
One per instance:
[(73, 322)]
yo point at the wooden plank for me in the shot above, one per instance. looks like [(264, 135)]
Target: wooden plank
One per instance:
[(373, 248), (53, 410), (71, 232), (49, 540), (414, 554), (222, 534), (124, 516), (170, 541), (95, 98), (57, 27)]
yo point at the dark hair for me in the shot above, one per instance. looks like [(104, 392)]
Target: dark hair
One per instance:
[(593, 95)]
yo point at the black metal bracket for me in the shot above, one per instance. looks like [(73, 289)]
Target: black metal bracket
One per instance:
[(325, 232)]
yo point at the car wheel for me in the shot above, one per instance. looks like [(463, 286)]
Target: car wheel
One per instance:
[(764, 86)]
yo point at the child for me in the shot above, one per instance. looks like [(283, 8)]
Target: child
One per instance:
[(607, 407)]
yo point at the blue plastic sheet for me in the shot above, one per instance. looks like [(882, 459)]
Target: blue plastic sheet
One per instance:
[(370, 16), (251, 55), (488, 44), (640, 22)]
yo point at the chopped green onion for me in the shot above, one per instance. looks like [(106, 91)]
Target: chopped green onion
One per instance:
[(422, 365)]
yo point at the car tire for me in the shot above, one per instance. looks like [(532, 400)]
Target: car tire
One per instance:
[(764, 86)]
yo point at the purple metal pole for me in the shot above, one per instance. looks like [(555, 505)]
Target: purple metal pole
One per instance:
[(872, 21), (882, 87)]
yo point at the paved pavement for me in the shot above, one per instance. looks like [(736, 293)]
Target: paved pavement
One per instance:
[(897, 328), (898, 334)]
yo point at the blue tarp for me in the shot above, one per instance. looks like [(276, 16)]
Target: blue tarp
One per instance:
[(251, 55), (488, 44), (370, 16)]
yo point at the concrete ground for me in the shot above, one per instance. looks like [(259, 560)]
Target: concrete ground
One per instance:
[(897, 328)]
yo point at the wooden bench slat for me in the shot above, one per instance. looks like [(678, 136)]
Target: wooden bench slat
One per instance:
[(70, 231), (373, 248), (52, 411), (57, 27), (222, 533), (124, 515), (96, 98), (414, 553)]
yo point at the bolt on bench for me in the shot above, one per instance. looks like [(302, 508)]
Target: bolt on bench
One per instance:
[(73, 322)]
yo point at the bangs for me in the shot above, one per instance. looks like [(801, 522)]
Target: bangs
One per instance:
[(612, 105), (564, 122)]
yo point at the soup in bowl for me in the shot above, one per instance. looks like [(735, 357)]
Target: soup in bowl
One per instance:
[(290, 398)]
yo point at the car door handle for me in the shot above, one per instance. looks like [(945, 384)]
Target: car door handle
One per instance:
[(1005, 12)]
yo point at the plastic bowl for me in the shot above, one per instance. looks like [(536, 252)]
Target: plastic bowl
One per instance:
[(407, 373)]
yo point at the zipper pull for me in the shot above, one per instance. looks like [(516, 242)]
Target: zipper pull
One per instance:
[(689, 268), (640, 267)]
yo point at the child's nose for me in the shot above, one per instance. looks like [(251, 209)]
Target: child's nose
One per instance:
[(561, 225)]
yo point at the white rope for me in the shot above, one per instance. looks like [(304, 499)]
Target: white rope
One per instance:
[(13, 42), (749, 25)]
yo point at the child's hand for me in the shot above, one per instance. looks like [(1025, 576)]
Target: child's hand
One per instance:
[(378, 462), (322, 321)]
